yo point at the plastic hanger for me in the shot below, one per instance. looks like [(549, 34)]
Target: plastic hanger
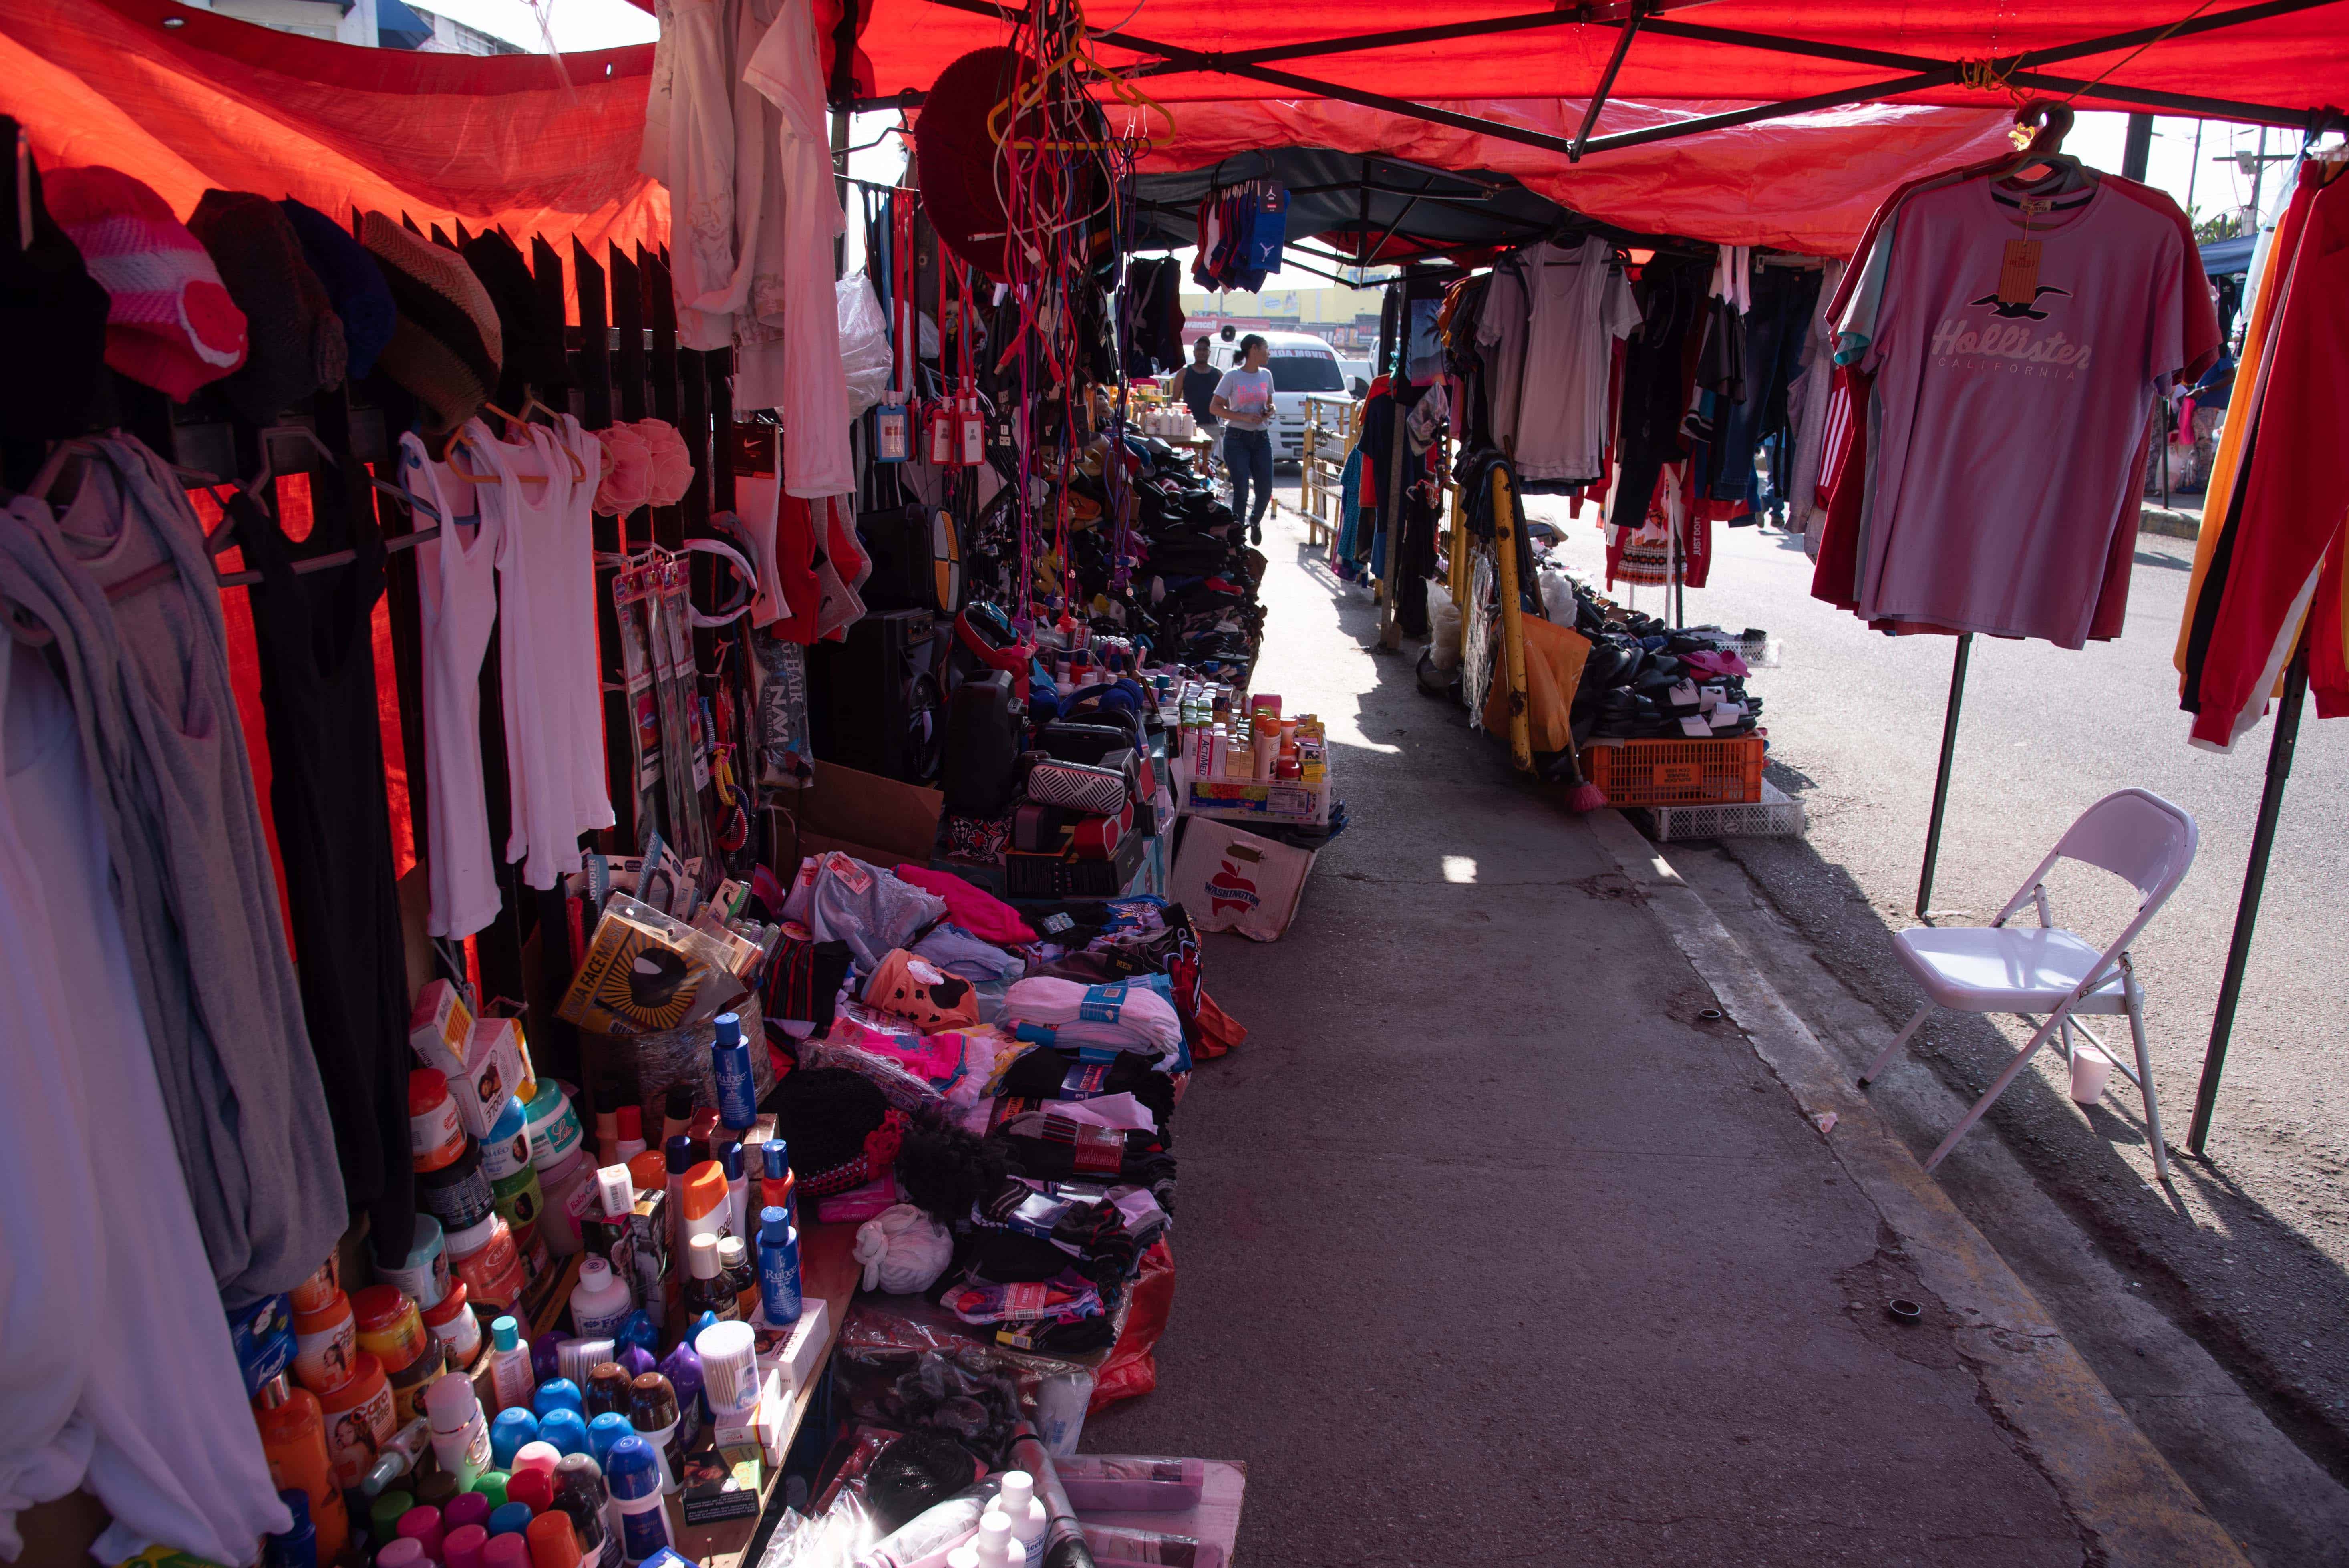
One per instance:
[(463, 438), (2053, 121)]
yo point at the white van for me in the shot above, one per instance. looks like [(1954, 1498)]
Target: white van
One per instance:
[(1301, 364)]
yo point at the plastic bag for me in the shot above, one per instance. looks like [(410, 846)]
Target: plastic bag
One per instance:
[(1443, 619), (863, 342), (1131, 1369)]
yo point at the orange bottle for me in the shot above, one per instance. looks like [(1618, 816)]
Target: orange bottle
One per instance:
[(294, 1438)]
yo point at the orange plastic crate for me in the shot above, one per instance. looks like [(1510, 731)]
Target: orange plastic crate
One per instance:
[(1677, 772)]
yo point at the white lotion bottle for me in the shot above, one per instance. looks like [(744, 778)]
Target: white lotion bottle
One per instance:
[(460, 1436), (599, 1301), (512, 1380), (1031, 1521)]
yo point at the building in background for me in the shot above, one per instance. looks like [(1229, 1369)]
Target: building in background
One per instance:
[(369, 23)]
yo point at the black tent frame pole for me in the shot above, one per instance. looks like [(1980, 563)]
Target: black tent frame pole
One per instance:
[(2017, 70), (1942, 781), (1623, 36), (2255, 883)]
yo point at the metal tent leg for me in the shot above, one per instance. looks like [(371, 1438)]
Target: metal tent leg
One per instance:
[(2255, 882), (1942, 783)]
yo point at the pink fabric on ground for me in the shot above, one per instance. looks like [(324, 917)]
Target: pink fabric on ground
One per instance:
[(974, 909)]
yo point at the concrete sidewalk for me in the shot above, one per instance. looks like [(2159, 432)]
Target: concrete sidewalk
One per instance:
[(1494, 1245)]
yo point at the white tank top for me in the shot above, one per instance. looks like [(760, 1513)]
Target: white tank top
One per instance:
[(457, 588), (581, 672), (547, 667)]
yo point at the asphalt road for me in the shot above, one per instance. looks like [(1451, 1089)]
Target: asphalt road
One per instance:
[(1492, 1247), (2252, 1255)]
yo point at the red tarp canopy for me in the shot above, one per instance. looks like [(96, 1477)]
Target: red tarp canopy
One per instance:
[(1806, 183), (507, 142), (2293, 54), (488, 140)]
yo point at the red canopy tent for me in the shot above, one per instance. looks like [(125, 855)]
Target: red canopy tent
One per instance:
[(187, 100), (1593, 105), (2277, 59)]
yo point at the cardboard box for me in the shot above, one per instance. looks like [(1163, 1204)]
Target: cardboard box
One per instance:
[(496, 1068), (879, 821), (797, 1352), (440, 1029), (1227, 879), (758, 1429), (722, 1482)]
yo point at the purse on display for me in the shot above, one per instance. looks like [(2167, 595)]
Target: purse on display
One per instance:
[(1099, 791)]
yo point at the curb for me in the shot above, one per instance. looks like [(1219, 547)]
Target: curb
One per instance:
[(2130, 1506), (2169, 523)]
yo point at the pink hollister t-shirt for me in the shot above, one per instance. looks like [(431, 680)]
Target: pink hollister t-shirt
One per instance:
[(2011, 436)]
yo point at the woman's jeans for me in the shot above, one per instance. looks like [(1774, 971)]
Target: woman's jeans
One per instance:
[(1249, 455)]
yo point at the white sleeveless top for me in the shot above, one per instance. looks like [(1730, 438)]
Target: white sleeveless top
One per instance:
[(548, 673), (456, 584)]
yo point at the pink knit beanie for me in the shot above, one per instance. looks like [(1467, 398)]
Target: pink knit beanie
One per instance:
[(171, 324)]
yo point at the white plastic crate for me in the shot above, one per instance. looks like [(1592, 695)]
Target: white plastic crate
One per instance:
[(1772, 817)]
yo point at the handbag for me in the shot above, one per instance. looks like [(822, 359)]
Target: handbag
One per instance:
[(1099, 791)]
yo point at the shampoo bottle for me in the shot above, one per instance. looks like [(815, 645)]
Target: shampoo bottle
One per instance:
[(738, 1099), (779, 1269)]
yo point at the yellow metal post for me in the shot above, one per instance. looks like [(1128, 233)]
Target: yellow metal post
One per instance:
[(1512, 631)]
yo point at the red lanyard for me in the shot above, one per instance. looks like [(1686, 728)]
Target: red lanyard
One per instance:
[(904, 307)]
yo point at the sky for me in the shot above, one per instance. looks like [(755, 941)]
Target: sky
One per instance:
[(2202, 177)]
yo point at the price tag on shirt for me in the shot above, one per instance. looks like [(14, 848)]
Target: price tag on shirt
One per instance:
[(2018, 276)]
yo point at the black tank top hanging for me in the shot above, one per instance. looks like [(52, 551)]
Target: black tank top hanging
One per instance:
[(315, 636)]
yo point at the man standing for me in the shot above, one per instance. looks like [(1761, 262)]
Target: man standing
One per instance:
[(1244, 402), (1197, 386)]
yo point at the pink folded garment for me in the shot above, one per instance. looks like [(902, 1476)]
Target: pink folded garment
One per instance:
[(1716, 662), (974, 909)]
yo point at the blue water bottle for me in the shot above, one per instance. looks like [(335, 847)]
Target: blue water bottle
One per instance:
[(779, 1269)]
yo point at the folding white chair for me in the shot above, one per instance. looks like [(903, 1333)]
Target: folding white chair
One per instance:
[(1997, 968)]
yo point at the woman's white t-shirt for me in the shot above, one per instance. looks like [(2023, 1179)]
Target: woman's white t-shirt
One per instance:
[(1249, 393)]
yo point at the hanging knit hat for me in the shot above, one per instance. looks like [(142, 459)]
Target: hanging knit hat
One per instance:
[(171, 324), (447, 347), (842, 1133), (293, 339), (531, 329), (354, 283), (52, 318)]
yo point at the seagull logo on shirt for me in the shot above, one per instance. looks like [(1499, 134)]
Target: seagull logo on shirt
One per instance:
[(2012, 309)]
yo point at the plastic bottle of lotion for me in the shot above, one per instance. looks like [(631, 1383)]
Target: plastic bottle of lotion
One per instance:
[(599, 1301), (631, 1120), (779, 1269), (634, 1477), (994, 1543), (737, 1187), (1030, 1519), (461, 1438), (775, 1179), (729, 1054), (510, 1372), (294, 1439), (676, 1154)]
